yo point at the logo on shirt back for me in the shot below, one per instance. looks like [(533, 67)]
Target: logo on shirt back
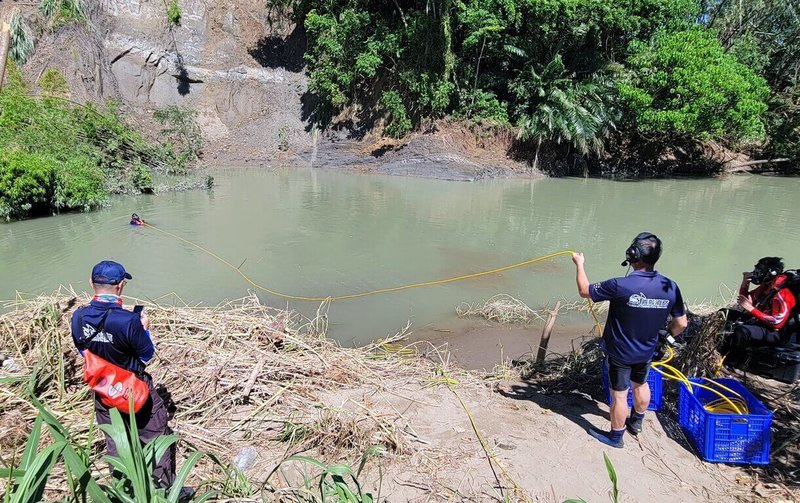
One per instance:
[(100, 337), (640, 301)]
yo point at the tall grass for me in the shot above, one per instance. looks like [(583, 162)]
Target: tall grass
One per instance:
[(134, 482)]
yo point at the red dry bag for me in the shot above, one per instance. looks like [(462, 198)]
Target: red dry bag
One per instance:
[(114, 385)]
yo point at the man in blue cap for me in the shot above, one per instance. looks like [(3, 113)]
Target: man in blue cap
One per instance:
[(123, 338)]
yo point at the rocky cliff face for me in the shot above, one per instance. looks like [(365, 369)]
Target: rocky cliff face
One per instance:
[(241, 70)]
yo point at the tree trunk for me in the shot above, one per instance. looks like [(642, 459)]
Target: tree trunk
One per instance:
[(5, 45), (536, 155)]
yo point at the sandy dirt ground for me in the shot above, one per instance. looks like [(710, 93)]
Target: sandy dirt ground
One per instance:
[(540, 437), (540, 441)]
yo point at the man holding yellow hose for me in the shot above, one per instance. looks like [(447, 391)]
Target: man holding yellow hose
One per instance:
[(640, 305)]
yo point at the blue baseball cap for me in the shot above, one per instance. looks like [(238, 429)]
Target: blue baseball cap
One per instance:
[(109, 272)]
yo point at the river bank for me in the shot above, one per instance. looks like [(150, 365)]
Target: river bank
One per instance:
[(465, 151), (242, 375)]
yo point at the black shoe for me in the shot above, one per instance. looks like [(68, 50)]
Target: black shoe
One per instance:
[(604, 436), (186, 494), (634, 425)]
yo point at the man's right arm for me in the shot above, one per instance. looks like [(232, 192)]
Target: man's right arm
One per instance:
[(677, 325), (745, 285), (679, 321), (581, 278)]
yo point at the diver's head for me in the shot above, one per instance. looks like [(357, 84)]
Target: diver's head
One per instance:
[(134, 216), (766, 270)]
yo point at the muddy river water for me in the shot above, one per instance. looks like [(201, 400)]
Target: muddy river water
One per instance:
[(315, 233)]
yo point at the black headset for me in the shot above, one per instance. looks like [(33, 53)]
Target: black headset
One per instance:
[(635, 253)]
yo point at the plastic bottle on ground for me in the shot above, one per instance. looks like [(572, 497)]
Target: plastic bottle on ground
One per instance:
[(246, 458)]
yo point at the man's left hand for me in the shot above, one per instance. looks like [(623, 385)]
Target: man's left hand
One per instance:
[(746, 303)]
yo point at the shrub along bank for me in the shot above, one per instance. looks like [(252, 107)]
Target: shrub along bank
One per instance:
[(56, 155)]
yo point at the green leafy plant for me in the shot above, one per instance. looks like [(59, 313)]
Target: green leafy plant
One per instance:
[(136, 464), (174, 13), (52, 81), (398, 123), (142, 178), (57, 156), (63, 12), (22, 40), (335, 482), (612, 475), (235, 484), (183, 136), (283, 139), (557, 106), (27, 479)]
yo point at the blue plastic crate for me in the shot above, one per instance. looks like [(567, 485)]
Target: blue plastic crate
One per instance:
[(725, 438), (654, 379)]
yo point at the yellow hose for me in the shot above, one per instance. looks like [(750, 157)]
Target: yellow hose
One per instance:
[(370, 292), (722, 405), (668, 371)]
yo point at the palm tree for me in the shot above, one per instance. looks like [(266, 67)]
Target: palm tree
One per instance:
[(556, 106)]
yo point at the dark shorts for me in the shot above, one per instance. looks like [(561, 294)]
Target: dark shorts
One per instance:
[(620, 375)]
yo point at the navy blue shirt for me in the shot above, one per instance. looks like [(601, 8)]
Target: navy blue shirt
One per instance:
[(640, 303), (123, 340)]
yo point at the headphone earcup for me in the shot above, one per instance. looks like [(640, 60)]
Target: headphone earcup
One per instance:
[(632, 254)]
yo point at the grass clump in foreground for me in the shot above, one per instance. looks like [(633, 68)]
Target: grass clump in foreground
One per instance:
[(57, 155), (236, 375)]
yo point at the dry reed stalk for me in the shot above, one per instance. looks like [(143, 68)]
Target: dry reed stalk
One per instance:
[(505, 309), (207, 368), (501, 308)]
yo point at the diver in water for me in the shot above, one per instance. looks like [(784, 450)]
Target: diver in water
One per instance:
[(137, 220)]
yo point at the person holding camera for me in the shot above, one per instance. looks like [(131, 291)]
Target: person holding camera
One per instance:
[(122, 338), (640, 303), (765, 309)]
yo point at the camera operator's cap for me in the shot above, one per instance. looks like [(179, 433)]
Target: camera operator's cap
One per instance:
[(109, 272)]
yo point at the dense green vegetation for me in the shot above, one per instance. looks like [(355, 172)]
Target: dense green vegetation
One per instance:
[(567, 73), (59, 156)]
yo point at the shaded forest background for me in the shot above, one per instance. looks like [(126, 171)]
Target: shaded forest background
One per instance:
[(647, 80)]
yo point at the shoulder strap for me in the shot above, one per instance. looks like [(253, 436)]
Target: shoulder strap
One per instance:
[(100, 326)]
